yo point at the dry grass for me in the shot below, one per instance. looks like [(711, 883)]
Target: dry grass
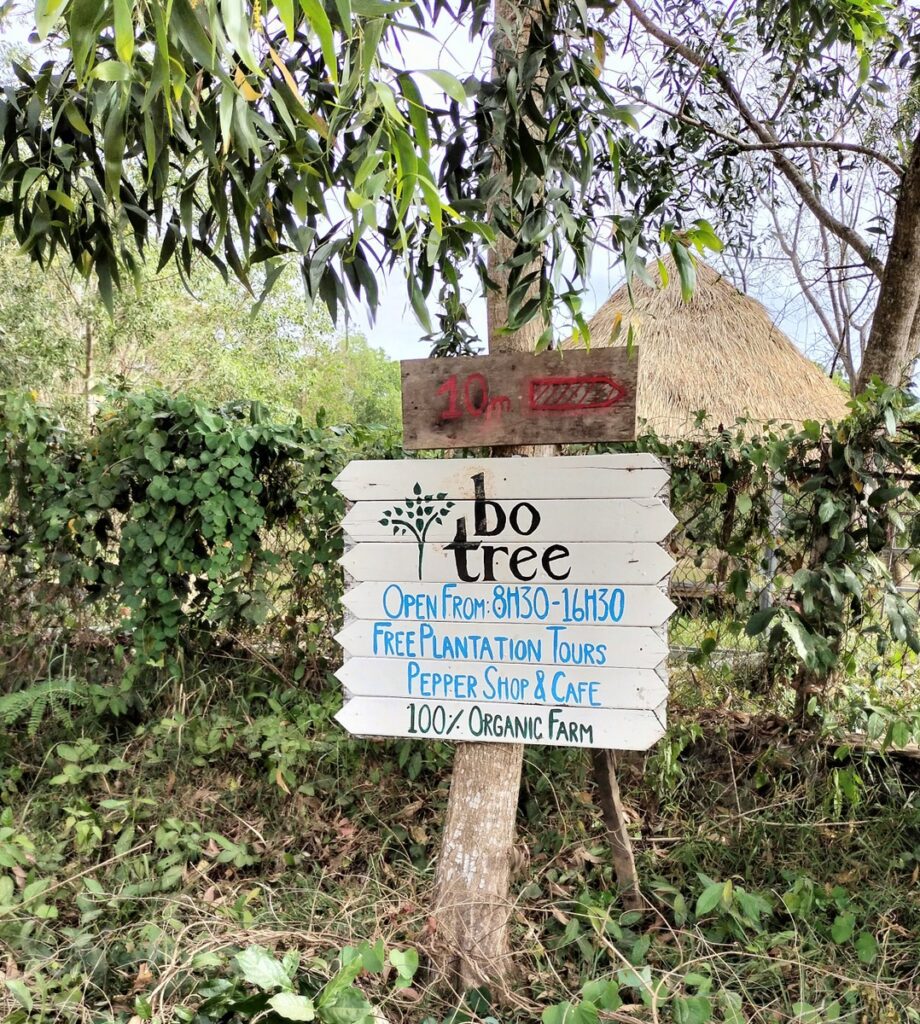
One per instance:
[(720, 353)]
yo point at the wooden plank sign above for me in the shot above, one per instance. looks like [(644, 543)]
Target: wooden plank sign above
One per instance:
[(507, 599), (554, 477), (520, 398)]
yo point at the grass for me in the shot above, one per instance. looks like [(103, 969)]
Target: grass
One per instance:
[(147, 847)]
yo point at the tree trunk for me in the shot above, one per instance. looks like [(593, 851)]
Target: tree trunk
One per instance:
[(472, 905), (892, 345)]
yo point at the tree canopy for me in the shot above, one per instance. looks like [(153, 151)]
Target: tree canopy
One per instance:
[(251, 133), (209, 344)]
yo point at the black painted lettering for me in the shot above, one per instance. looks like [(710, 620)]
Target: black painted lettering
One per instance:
[(552, 554), (519, 557)]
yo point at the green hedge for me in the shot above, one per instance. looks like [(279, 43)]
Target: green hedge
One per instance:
[(178, 522), (177, 519)]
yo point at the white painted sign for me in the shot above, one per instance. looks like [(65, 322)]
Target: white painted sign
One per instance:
[(553, 605), (472, 561), (510, 684), (593, 519), (619, 729), (558, 476), (523, 643), (507, 600)]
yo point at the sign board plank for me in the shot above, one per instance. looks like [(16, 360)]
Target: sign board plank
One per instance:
[(584, 476), (618, 729), (555, 397), (550, 563), (528, 644), (507, 599), (460, 680), (594, 519), (476, 602)]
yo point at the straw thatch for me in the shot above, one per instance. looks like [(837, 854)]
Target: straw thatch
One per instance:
[(720, 352)]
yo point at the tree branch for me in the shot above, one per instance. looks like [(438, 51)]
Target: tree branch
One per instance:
[(766, 136), (844, 147)]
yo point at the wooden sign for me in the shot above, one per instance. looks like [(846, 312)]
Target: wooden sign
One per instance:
[(553, 605), (523, 643), (611, 728), (507, 599), (557, 476), (520, 398), (472, 561), (616, 519), (517, 684)]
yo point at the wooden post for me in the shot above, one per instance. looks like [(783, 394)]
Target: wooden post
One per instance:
[(472, 905), (603, 763)]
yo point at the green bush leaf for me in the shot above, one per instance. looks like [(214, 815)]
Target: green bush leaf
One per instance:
[(261, 969), (843, 926), (451, 85), (292, 1006), (692, 1009)]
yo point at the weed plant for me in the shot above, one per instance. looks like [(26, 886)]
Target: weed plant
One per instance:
[(143, 854)]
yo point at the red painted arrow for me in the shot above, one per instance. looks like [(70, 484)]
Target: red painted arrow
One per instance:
[(574, 394)]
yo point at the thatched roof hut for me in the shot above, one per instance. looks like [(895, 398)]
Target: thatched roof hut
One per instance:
[(720, 352)]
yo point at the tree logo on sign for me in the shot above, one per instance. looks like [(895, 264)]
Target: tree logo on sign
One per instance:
[(416, 516)]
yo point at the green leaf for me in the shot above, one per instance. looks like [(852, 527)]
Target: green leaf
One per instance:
[(62, 199), (704, 236), (882, 495), (709, 898), (75, 118), (692, 1009), (344, 9), (35, 889), (827, 510), (261, 969), (372, 956), (561, 1013), (235, 16), (843, 926), (292, 1006), (759, 621), (7, 888), (47, 13), (321, 25), (802, 640), (866, 947), (730, 1003), (21, 994), (112, 71), (124, 30), (418, 118), (285, 9), (686, 270), (450, 84), (114, 146), (406, 964), (530, 151), (84, 19)]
